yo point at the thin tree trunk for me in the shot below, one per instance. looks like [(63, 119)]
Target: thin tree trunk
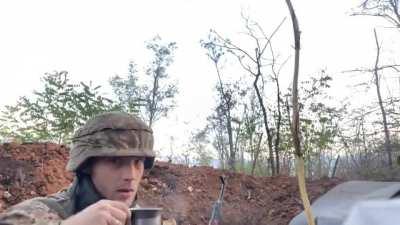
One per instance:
[(152, 107), (319, 165), (220, 148), (242, 160), (278, 128), (237, 137), (227, 112), (288, 111), (290, 124), (309, 164), (265, 117), (232, 155), (279, 119), (387, 146), (296, 121), (335, 166), (364, 160), (256, 154)]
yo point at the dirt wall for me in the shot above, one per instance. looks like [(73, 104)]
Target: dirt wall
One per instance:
[(187, 194)]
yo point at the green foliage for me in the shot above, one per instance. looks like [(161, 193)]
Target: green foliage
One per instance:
[(10, 123), (199, 143), (213, 46), (319, 122), (159, 93), (154, 97), (55, 111), (127, 90)]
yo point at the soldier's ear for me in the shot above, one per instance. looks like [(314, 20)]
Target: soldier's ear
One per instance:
[(86, 167), (146, 173)]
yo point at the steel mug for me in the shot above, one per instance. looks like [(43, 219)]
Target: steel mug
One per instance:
[(146, 216)]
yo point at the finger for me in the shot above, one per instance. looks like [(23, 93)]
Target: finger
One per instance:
[(116, 209), (115, 204), (120, 205), (113, 221), (117, 213)]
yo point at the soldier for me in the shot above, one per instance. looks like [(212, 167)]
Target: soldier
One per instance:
[(108, 157)]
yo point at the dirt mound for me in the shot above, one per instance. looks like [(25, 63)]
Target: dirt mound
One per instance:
[(30, 170), (187, 194)]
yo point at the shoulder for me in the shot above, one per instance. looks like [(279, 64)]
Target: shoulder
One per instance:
[(39, 210), (61, 203), (32, 211)]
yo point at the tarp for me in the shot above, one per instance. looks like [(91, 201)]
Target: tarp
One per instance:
[(375, 212), (334, 207)]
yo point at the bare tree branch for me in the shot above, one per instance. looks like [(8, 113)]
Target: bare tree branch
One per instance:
[(388, 10), (388, 148), (395, 67), (230, 46)]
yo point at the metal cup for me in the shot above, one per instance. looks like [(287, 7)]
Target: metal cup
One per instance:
[(146, 216)]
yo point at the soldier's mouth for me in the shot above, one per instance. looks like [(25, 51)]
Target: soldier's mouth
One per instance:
[(124, 194), (125, 190)]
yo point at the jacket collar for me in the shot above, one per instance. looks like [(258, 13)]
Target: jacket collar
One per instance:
[(85, 193)]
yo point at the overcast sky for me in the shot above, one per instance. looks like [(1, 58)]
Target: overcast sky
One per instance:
[(95, 40)]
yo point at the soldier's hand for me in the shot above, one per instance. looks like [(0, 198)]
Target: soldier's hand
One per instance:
[(103, 212)]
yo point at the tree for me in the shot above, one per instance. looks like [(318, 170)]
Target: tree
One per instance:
[(227, 131), (253, 64), (252, 129), (386, 9), (278, 116), (10, 123), (127, 90), (159, 94), (319, 121), (217, 128), (227, 103), (377, 73), (296, 119), (198, 145), (152, 96), (388, 147), (55, 111)]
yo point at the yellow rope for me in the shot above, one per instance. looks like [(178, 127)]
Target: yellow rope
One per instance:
[(303, 191)]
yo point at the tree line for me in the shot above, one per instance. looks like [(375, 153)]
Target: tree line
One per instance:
[(60, 106), (250, 127)]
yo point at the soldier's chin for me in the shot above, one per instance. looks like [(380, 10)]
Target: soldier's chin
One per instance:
[(126, 197)]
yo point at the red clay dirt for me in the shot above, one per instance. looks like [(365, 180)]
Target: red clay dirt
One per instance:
[(185, 193)]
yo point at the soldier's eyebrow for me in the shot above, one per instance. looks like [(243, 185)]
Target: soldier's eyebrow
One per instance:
[(138, 157)]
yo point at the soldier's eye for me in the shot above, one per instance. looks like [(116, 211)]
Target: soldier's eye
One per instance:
[(138, 161), (114, 160)]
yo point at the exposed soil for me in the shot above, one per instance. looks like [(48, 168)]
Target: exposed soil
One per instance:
[(185, 193)]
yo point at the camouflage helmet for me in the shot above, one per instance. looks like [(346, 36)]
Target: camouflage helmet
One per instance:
[(112, 134)]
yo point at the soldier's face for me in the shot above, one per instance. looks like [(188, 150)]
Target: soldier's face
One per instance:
[(118, 178)]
